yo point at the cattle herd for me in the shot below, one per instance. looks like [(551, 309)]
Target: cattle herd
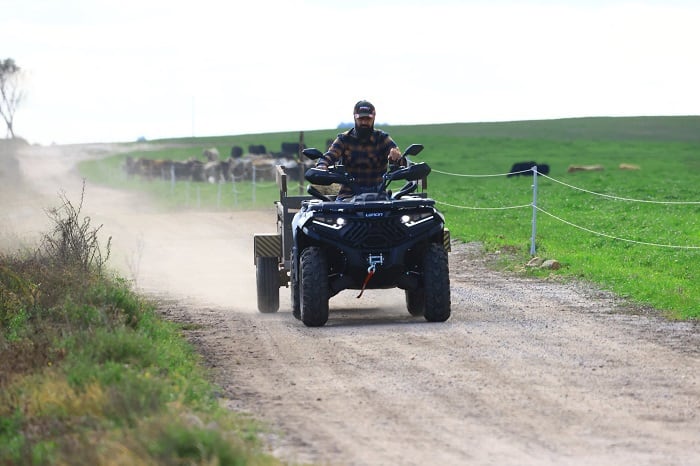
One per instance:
[(257, 164)]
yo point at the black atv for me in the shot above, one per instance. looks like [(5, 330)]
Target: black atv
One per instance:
[(373, 240)]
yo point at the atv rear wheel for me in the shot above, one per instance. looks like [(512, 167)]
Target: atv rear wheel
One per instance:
[(313, 287), (268, 283), (415, 302), (436, 284)]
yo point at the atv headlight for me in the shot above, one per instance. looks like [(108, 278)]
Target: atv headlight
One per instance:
[(411, 220), (336, 223)]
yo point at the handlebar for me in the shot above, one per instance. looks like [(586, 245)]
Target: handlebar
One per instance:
[(337, 174)]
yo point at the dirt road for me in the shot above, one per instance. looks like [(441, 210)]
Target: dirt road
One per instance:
[(525, 371)]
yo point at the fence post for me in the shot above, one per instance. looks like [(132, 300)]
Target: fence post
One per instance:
[(534, 210), (253, 184)]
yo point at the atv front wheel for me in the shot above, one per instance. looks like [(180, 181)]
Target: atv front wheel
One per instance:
[(436, 284), (267, 279), (313, 287)]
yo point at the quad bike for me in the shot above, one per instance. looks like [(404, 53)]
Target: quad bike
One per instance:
[(374, 240)]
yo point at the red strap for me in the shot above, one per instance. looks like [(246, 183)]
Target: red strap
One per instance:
[(369, 275)]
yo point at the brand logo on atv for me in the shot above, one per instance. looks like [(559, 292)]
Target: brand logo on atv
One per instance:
[(374, 214)]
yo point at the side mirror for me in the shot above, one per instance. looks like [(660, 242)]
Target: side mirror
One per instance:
[(312, 153), (413, 149)]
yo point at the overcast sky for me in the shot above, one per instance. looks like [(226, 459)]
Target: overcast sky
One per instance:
[(112, 71)]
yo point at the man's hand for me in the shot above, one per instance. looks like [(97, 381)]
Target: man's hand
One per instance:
[(394, 155)]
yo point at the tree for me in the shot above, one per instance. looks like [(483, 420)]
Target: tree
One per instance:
[(11, 93)]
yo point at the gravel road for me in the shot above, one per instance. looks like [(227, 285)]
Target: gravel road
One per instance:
[(525, 371)]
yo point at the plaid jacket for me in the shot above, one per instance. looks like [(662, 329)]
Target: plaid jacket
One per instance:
[(365, 161)]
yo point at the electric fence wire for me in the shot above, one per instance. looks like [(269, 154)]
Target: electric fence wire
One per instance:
[(539, 209)]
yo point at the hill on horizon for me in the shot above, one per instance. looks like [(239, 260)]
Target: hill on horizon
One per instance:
[(651, 128)]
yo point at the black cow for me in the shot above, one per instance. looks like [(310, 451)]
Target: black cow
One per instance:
[(291, 149), (236, 152), (525, 169), (257, 149), (196, 170), (181, 169)]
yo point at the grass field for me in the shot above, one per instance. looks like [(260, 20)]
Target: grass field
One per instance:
[(645, 251)]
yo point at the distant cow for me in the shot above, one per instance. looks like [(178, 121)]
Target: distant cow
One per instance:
[(257, 149), (525, 169), (211, 154), (212, 171), (629, 166), (291, 149), (236, 152), (263, 169), (226, 168), (150, 168), (585, 168), (131, 166), (196, 170), (181, 170)]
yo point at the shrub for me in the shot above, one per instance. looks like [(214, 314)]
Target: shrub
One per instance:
[(73, 243)]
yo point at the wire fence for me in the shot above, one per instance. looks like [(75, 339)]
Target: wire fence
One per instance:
[(536, 208), (260, 181), (234, 191)]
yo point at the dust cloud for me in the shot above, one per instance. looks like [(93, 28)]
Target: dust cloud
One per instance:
[(201, 258)]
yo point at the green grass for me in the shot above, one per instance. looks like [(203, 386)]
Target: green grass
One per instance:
[(666, 148), (662, 277), (90, 373)]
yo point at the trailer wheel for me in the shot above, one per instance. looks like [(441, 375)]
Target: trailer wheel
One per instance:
[(415, 302), (294, 285), (313, 287), (268, 283), (436, 280)]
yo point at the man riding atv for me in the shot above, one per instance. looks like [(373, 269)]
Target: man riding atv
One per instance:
[(366, 237), (363, 150)]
